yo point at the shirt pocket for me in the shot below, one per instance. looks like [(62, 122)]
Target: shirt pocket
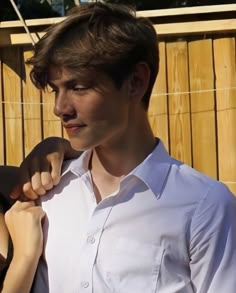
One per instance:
[(134, 266)]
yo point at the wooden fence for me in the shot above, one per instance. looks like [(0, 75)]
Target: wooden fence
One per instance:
[(193, 104)]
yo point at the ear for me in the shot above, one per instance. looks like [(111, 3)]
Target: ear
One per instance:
[(139, 81)]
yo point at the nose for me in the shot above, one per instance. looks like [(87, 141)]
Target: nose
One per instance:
[(63, 107)]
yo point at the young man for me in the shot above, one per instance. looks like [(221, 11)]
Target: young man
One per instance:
[(125, 217)]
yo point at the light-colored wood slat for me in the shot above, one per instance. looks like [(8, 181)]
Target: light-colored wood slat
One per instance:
[(181, 28), (158, 115), (51, 124), (31, 22), (179, 108), (1, 116), (64, 134), (203, 106), (12, 97), (231, 186), (31, 109), (7, 39), (196, 27), (225, 71)]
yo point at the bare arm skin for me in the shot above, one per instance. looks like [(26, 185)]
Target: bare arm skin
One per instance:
[(4, 236), (24, 223)]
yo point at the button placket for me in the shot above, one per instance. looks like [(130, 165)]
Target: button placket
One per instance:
[(91, 239), (85, 284), (90, 247)]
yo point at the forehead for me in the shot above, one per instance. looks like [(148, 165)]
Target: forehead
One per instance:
[(63, 74), (60, 73)]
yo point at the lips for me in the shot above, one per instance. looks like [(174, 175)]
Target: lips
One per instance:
[(73, 128)]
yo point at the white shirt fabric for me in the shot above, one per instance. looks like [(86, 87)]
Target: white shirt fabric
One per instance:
[(167, 229)]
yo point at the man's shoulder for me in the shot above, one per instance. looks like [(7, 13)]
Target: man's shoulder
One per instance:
[(72, 171), (196, 185)]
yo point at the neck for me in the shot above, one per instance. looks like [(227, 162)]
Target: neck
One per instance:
[(115, 159), (121, 155)]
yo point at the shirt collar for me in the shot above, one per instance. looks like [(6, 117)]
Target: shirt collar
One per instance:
[(153, 171), (77, 166)]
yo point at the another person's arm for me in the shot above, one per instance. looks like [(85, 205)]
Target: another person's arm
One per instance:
[(5, 248), (24, 223)]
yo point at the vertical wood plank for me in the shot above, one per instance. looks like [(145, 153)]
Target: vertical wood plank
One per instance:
[(158, 114), (51, 124), (12, 97), (225, 72), (31, 108), (203, 106), (2, 140), (179, 106), (64, 134)]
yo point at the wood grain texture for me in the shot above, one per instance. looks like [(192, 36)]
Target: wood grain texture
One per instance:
[(179, 106), (31, 108), (13, 109), (51, 124), (158, 111), (196, 27), (2, 138), (15, 36), (203, 106), (225, 71)]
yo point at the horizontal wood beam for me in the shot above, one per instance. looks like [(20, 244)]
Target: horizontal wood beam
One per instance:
[(8, 38), (197, 27), (12, 32)]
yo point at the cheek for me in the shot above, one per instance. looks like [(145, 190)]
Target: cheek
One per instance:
[(95, 109)]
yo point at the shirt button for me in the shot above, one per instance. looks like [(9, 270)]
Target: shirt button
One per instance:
[(85, 284), (90, 239)]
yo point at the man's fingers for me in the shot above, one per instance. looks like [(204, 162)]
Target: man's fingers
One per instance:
[(41, 169), (56, 164), (42, 178), (28, 191), (46, 181), (37, 183)]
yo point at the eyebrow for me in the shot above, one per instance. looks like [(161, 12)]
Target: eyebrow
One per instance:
[(68, 83)]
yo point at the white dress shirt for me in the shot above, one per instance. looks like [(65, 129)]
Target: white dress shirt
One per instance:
[(167, 229)]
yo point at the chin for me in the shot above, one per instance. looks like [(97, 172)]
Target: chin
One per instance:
[(79, 145)]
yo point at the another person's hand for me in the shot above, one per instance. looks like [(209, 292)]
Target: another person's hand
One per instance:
[(41, 169), (24, 223)]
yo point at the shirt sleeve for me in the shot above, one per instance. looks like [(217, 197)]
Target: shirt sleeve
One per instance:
[(213, 242)]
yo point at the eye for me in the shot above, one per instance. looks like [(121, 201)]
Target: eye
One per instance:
[(80, 88)]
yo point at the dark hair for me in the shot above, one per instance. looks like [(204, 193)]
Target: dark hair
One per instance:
[(107, 38)]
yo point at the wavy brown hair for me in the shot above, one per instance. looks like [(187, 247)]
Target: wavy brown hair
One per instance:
[(98, 37)]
